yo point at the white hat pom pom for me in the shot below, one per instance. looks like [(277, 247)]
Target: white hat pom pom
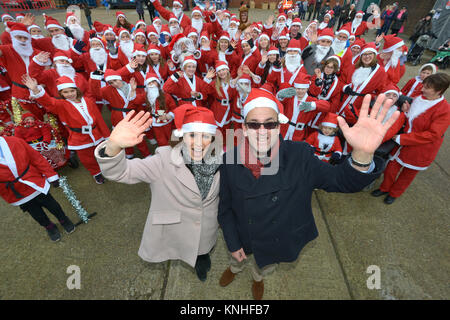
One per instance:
[(282, 118), (178, 133)]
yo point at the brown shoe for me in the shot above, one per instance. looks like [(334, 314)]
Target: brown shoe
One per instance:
[(258, 289), (227, 277)]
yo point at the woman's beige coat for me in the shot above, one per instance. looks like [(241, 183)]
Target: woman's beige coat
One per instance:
[(179, 225)]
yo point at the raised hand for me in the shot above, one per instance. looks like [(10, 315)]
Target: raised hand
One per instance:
[(368, 132), (269, 20), (133, 63), (31, 83), (379, 38), (28, 20), (211, 73), (42, 56), (318, 73), (233, 43), (246, 69), (133, 84), (170, 64), (264, 58), (128, 132)]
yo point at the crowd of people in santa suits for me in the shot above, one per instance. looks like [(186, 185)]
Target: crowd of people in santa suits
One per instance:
[(211, 59)]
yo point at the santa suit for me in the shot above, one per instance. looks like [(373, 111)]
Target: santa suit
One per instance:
[(333, 95), (46, 45), (180, 89), (221, 105), (281, 78), (347, 67), (252, 59), (18, 66), (122, 58), (260, 70), (413, 87), (297, 129), (24, 173), (48, 78), (163, 72), (373, 84), (394, 74), (85, 125), (232, 58), (37, 133), (5, 85), (358, 31), (207, 60), (5, 38), (89, 65), (184, 20), (325, 145), (127, 73), (426, 123)]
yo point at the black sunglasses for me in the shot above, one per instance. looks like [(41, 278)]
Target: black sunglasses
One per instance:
[(267, 125)]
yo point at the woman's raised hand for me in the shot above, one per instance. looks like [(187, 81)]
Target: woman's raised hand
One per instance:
[(30, 83)]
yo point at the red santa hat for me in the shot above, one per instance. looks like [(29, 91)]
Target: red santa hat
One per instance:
[(264, 35), (337, 58), (140, 22), (432, 65), (28, 114), (189, 118), (64, 83), (188, 59), (326, 34), (369, 47), (51, 22), (156, 19), (111, 75), (256, 27), (273, 50), (330, 14), (153, 49), (197, 9), (282, 15), (226, 13), (284, 34), (120, 31), (18, 29), (225, 35), (99, 27), (175, 40), (139, 32), (268, 87), (294, 44), (358, 43), (245, 78), (151, 30), (61, 55), (391, 42), (345, 29), (296, 22), (99, 40), (330, 120), (191, 32), (151, 76), (392, 88), (179, 2), (108, 29), (5, 15), (120, 14), (165, 30), (359, 13), (139, 49), (33, 26), (20, 15), (220, 65), (205, 35), (234, 20), (70, 15), (259, 98), (302, 81), (172, 17)]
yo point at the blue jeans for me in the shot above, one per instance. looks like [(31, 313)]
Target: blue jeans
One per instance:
[(89, 20)]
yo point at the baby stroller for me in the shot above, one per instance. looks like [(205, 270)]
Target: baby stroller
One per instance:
[(422, 43), (441, 59)]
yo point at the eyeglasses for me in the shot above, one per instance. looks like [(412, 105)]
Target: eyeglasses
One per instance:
[(267, 125)]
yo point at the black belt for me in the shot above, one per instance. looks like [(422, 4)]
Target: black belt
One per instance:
[(140, 87), (188, 99), (221, 100), (323, 152), (79, 130), (120, 109), (19, 85), (10, 184), (35, 141)]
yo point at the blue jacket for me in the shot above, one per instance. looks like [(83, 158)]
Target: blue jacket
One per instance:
[(271, 216)]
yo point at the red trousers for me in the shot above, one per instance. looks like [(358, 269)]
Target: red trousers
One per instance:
[(162, 134), (142, 147), (88, 160), (395, 183)]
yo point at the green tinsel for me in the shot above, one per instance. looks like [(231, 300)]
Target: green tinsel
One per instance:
[(70, 195)]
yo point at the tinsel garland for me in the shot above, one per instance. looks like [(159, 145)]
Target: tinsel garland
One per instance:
[(17, 111), (70, 195), (55, 131)]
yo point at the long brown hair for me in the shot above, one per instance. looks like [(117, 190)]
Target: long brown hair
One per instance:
[(219, 83), (161, 98), (126, 25), (372, 64)]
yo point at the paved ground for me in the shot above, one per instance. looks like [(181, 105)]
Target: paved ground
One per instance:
[(408, 241)]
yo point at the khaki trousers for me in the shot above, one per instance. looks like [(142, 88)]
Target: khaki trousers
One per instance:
[(257, 273)]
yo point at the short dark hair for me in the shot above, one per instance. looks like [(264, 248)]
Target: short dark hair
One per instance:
[(439, 82)]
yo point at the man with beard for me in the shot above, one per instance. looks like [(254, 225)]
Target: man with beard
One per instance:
[(121, 97), (177, 10), (233, 29), (126, 47), (5, 37), (212, 28), (35, 32), (243, 84), (111, 43), (355, 49), (181, 47), (62, 67), (390, 56), (318, 51), (292, 66), (358, 27), (16, 59), (75, 30)]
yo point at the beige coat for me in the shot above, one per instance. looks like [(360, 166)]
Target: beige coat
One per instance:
[(179, 225)]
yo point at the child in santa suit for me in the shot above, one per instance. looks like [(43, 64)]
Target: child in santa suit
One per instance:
[(186, 87), (25, 178), (301, 109), (32, 131), (427, 119), (162, 69), (137, 68), (121, 97), (413, 87), (243, 84), (326, 143), (368, 78), (222, 98), (270, 62), (251, 55), (390, 58), (80, 116)]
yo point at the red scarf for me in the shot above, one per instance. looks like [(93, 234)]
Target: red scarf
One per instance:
[(251, 162)]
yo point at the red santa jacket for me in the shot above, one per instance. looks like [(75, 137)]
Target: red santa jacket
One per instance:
[(252, 59), (359, 31), (24, 173), (373, 84), (297, 129), (221, 104), (127, 73), (394, 74), (46, 44), (207, 60), (281, 78), (184, 20), (324, 145), (5, 38), (85, 62), (426, 123), (232, 58), (39, 132), (163, 71), (347, 67), (180, 89), (168, 107), (333, 95), (413, 87), (84, 121), (48, 78)]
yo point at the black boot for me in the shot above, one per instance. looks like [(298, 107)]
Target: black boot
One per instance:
[(53, 233), (378, 193), (68, 226), (389, 200), (202, 266), (73, 161)]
